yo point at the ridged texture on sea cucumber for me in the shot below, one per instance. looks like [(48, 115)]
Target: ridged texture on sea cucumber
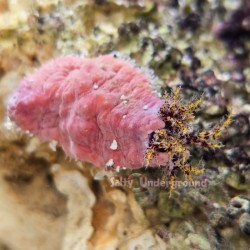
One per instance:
[(88, 104)]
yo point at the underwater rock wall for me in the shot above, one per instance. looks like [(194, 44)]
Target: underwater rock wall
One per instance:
[(48, 201)]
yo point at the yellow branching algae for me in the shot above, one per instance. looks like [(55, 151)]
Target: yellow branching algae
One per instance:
[(178, 135)]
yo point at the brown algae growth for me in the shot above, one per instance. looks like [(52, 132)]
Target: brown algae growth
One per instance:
[(178, 136)]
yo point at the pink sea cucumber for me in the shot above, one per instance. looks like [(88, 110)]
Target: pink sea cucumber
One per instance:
[(101, 110)]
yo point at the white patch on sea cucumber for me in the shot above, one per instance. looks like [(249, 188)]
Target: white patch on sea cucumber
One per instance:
[(145, 107), (95, 86), (123, 98), (110, 163), (124, 116), (114, 145)]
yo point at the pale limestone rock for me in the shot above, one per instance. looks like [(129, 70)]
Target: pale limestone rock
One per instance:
[(81, 200)]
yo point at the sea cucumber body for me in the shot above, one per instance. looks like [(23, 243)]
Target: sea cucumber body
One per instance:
[(86, 104)]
